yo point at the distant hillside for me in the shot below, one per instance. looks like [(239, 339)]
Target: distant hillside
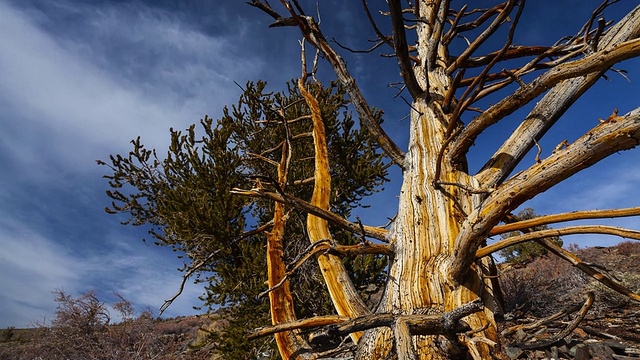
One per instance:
[(177, 338), (533, 293)]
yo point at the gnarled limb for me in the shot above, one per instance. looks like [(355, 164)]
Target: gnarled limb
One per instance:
[(532, 326), (419, 324), (620, 133), (540, 236), (497, 22), (566, 331), (589, 64), (485, 16), (470, 95), (280, 300), (324, 246), (589, 270), (312, 33), (402, 54), (569, 230), (381, 36), (316, 321)]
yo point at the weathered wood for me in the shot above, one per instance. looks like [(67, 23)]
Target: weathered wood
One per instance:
[(570, 216), (607, 138), (593, 63), (280, 300), (551, 107), (370, 231), (345, 297), (569, 230), (444, 213)]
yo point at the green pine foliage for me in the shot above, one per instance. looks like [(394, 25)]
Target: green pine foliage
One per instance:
[(185, 200), (528, 251)]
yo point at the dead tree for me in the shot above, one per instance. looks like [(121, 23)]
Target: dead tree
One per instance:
[(439, 298)]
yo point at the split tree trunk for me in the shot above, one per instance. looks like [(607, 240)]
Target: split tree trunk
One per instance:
[(423, 235)]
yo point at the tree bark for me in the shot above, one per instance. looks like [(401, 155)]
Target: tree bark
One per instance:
[(423, 235)]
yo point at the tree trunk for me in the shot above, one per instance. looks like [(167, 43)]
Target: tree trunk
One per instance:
[(423, 236)]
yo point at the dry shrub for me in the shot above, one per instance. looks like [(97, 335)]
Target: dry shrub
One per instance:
[(607, 299), (81, 329), (628, 248), (541, 288), (176, 327)]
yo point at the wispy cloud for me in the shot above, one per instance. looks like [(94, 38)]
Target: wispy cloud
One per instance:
[(36, 266), (74, 96), (75, 92)]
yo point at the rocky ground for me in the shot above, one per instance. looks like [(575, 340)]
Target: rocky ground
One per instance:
[(610, 328)]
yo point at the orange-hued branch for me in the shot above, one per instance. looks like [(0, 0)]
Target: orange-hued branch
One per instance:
[(345, 297), (616, 134)]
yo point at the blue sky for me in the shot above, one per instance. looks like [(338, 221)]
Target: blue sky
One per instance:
[(80, 78)]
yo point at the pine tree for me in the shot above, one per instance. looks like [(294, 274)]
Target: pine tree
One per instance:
[(186, 200)]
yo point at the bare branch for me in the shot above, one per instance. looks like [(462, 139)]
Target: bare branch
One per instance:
[(551, 107), (266, 8), (497, 22), (325, 246), (313, 249), (400, 45), (435, 41), (375, 46), (486, 15), (541, 238), (260, 157), (589, 270), (466, 188), (566, 331), (514, 52), (570, 230), (592, 63), (571, 216), (370, 231), (346, 300), (534, 325), (605, 139), (381, 36), (316, 321), (471, 93), (446, 38), (312, 33), (431, 324)]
